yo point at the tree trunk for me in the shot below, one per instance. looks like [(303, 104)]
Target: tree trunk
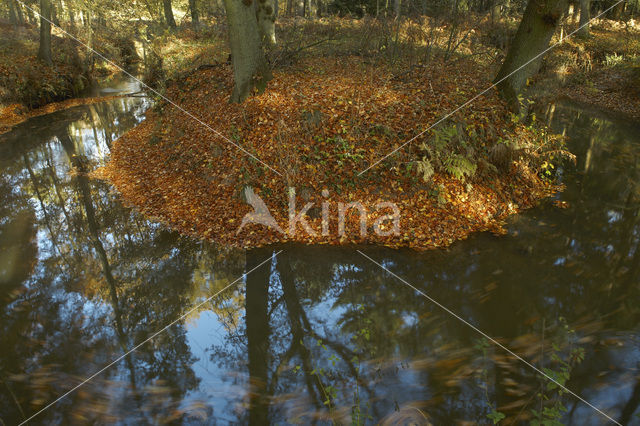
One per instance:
[(54, 14), (396, 8), (195, 18), (13, 16), (540, 20), (168, 14), (250, 68), (289, 7), (18, 11), (615, 13), (266, 22), (44, 51), (585, 16), (496, 11)]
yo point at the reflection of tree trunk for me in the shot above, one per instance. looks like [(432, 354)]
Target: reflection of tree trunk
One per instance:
[(47, 220), (257, 323), (106, 121), (301, 327), (84, 191), (630, 406), (56, 187), (294, 309)]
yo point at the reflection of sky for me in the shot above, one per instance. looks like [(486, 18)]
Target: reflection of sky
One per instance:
[(225, 389), (219, 388), (88, 145)]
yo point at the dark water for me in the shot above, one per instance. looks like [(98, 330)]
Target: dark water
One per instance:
[(316, 333)]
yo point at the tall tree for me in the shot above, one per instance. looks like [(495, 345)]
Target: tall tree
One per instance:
[(168, 14), (266, 22), (44, 51), (13, 16), (540, 20), (195, 16), (585, 16), (250, 68), (616, 10)]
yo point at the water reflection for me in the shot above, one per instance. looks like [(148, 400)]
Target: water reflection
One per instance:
[(315, 334)]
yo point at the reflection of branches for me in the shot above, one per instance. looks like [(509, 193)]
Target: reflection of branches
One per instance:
[(45, 214), (14, 398), (300, 326), (631, 405)]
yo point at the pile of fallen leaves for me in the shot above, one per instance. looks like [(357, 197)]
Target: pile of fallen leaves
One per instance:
[(319, 124)]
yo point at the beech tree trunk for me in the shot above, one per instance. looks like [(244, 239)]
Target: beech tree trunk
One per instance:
[(13, 16), (250, 68), (168, 14), (265, 14), (615, 13), (17, 9), (44, 51), (195, 17), (585, 16), (540, 20)]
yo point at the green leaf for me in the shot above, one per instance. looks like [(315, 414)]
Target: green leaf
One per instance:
[(495, 416)]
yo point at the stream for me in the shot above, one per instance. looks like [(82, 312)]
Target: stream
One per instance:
[(316, 333)]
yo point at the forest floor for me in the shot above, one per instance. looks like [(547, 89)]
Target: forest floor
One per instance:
[(320, 123), (602, 71)]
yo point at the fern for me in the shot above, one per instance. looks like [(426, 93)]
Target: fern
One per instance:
[(425, 168), (448, 152), (459, 166)]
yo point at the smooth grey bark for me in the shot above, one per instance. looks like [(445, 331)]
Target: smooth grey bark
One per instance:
[(250, 68), (168, 13), (397, 7), (585, 16), (540, 20), (195, 16), (265, 14), (44, 51), (13, 16), (17, 7)]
